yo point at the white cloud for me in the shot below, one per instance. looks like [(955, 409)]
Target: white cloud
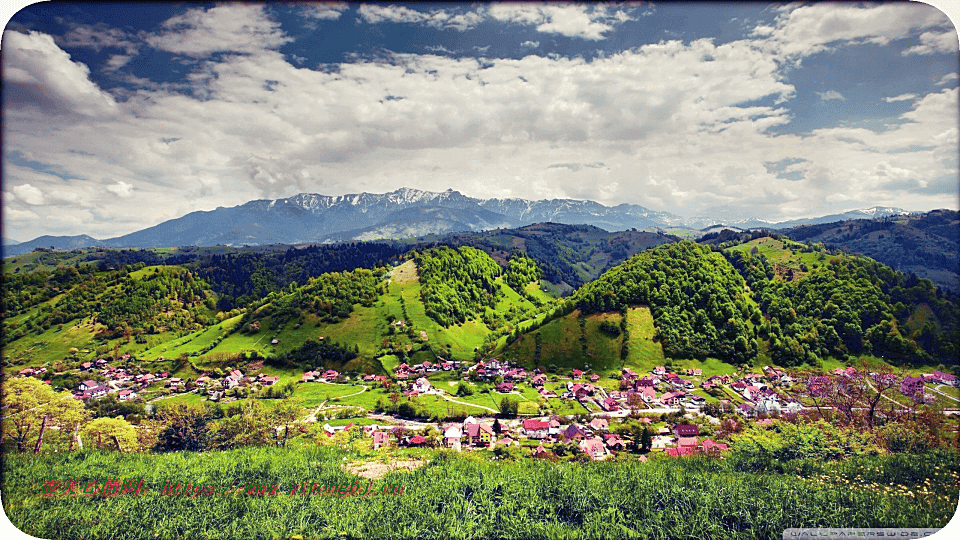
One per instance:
[(374, 13), (490, 128), (802, 30), (16, 215), (329, 11), (530, 44), (28, 194), (935, 42), (121, 189), (117, 61), (831, 94), (572, 20), (99, 37), (39, 75), (901, 97), (243, 28), (947, 78), (438, 18)]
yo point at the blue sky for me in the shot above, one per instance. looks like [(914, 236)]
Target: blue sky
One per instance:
[(120, 116)]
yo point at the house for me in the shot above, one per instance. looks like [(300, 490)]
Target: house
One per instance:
[(686, 442), (944, 378), (614, 441), (86, 365), (686, 430), (610, 405), (380, 439), (646, 382), (478, 434), (599, 424), (593, 448), (752, 392), (98, 391), (417, 440), (659, 370), (648, 394), (630, 374), (538, 380), (711, 447), (695, 372), (269, 380), (681, 451), (330, 375), (421, 385), (594, 378), (660, 442), (126, 395), (746, 409), (536, 429), (769, 407), (452, 437), (310, 376), (671, 398), (577, 374), (541, 452), (505, 387), (87, 385), (506, 441), (573, 433)]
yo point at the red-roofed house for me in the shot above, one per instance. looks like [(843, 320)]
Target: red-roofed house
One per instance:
[(712, 447), (577, 374), (417, 440), (594, 448), (478, 434), (681, 451), (610, 405), (686, 442), (686, 430), (945, 378), (536, 429), (599, 424)]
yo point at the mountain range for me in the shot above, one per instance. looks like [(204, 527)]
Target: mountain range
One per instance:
[(406, 212)]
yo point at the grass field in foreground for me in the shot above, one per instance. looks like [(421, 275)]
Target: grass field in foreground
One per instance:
[(467, 496)]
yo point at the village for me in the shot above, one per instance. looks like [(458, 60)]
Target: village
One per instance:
[(664, 410)]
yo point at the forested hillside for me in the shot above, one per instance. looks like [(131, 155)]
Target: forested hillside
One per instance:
[(696, 296), (764, 300)]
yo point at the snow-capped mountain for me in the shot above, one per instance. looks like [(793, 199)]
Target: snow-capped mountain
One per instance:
[(406, 212)]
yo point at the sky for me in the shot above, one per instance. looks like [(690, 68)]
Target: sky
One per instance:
[(117, 117)]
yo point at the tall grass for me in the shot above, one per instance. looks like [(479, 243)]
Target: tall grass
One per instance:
[(466, 496)]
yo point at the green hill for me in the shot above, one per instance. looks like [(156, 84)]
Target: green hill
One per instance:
[(768, 299)]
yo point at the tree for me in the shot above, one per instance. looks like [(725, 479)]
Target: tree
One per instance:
[(185, 427), (29, 404), (646, 441), (110, 434), (252, 425), (509, 407)]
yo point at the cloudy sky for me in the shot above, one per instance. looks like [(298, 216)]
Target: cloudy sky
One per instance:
[(119, 117)]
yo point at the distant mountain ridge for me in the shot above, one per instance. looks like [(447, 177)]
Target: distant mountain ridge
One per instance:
[(404, 213)]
